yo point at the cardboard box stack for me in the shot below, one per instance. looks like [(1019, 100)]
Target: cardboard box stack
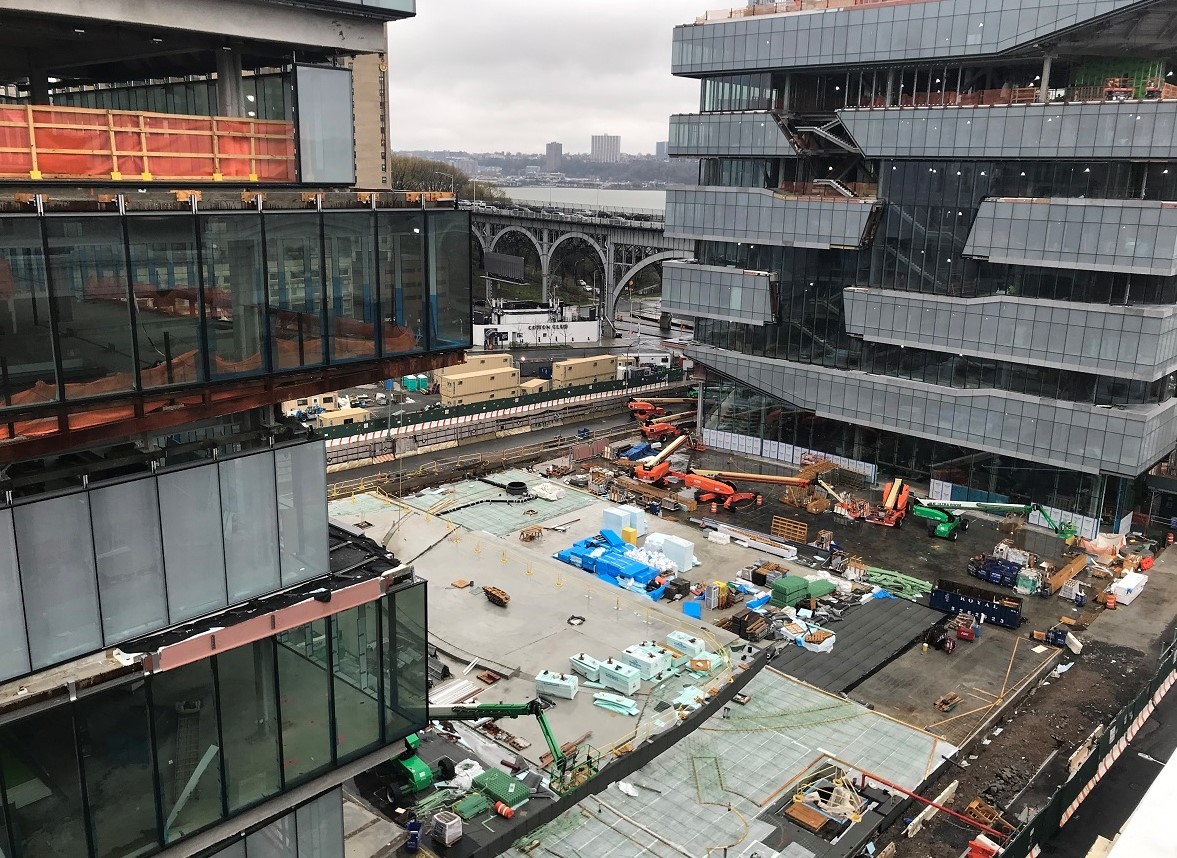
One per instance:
[(585, 370)]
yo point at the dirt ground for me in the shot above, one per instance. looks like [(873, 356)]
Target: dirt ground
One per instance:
[(1054, 718)]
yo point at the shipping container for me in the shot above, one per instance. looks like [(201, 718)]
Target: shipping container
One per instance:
[(597, 366), (536, 385), (506, 395), (476, 363), (479, 382), (342, 417)]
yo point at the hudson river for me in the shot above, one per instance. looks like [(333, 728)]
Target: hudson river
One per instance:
[(590, 197)]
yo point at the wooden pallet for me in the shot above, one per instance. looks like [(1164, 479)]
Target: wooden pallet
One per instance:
[(787, 528)]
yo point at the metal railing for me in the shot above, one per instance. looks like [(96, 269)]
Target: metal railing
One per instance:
[(589, 213), (795, 6)]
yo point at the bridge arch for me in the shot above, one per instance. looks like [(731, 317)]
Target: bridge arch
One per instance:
[(619, 286), (587, 238), (494, 242)]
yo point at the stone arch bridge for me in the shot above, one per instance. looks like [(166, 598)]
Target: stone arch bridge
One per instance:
[(624, 246)]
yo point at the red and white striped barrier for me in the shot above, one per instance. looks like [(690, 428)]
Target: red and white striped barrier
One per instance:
[(1120, 746), (514, 411)]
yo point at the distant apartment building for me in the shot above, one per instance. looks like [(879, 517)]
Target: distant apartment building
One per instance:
[(660, 150), (606, 149), (554, 158), (467, 165)]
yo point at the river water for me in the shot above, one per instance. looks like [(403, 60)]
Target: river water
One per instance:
[(590, 197)]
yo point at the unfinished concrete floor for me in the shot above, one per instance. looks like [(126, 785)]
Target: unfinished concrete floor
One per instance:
[(533, 632), (710, 792)]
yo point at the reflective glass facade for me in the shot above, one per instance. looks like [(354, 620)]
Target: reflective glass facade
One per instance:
[(1013, 293), (128, 558), (100, 305), (130, 768)]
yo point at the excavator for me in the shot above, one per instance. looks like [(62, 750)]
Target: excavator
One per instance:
[(945, 519), (567, 771)]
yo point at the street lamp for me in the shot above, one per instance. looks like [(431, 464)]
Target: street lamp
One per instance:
[(449, 176)]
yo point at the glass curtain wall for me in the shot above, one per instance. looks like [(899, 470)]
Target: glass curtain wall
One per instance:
[(101, 304), (128, 769), (729, 407), (124, 559)]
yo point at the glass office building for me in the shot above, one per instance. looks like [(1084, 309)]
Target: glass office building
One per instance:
[(932, 233), (193, 656)]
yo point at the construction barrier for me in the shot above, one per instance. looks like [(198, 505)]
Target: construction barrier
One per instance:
[(1102, 754), (44, 142), (460, 415)]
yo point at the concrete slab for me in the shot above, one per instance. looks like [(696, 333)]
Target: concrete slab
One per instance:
[(366, 834), (533, 633), (709, 792), (480, 505), (984, 672)]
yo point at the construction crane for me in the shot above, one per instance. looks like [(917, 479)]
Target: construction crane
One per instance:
[(567, 772), (946, 521), (754, 478), (706, 489)]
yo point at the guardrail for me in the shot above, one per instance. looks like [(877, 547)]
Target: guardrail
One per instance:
[(536, 208)]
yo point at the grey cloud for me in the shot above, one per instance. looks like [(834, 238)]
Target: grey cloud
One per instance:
[(489, 75)]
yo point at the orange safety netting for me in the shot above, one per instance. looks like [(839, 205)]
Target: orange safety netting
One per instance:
[(40, 142)]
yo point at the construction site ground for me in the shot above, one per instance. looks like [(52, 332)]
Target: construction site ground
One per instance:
[(1038, 731)]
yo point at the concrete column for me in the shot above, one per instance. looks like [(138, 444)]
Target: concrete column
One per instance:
[(1044, 86), (890, 87), (230, 98), (787, 93), (38, 86)]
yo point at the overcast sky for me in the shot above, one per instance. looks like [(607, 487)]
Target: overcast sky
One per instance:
[(491, 75)]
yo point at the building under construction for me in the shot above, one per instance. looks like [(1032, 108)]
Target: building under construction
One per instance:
[(934, 238)]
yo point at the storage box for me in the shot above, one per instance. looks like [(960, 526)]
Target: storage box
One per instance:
[(621, 677), (686, 643), (551, 684), (630, 535), (649, 664), (586, 666)]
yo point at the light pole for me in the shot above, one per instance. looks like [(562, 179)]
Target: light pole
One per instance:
[(449, 176)]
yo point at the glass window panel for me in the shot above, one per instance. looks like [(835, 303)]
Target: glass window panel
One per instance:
[(43, 786), (116, 746), (351, 285), (14, 648), (167, 299), (234, 850), (184, 707), (320, 827), (249, 723), (61, 599), (326, 134), (276, 840), (303, 685), (194, 557), (250, 526), (129, 559), (356, 675), (88, 268), (449, 279), (5, 843), (402, 281), (234, 298), (302, 511), (295, 289), (27, 373), (408, 652)]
